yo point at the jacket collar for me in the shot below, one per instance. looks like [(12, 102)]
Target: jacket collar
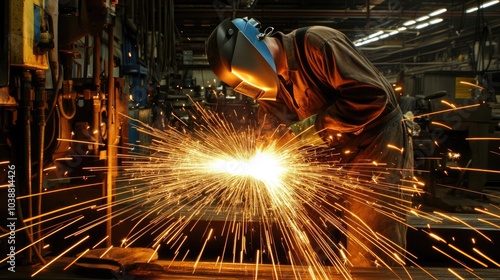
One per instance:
[(288, 41)]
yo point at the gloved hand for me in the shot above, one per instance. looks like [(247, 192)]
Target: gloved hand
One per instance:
[(412, 127), (305, 131)]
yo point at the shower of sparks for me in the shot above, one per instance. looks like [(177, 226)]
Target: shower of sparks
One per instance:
[(218, 173), (59, 256), (43, 238), (256, 189)]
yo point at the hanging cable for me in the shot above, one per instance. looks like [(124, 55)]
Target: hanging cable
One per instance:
[(56, 86), (63, 111)]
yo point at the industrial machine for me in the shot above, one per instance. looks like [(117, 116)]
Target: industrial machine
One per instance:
[(60, 96), (43, 102)]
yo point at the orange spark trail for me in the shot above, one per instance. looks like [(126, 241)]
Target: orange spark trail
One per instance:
[(60, 255)]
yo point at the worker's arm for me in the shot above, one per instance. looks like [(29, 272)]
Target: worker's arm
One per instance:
[(272, 114)]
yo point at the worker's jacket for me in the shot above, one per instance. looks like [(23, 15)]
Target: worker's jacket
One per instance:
[(336, 82), (351, 98)]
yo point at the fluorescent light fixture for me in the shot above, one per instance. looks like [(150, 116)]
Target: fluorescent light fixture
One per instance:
[(436, 20), (423, 21), (485, 5), (365, 41), (422, 18), (410, 22), (423, 25), (438, 12), (376, 34), (471, 10), (362, 43)]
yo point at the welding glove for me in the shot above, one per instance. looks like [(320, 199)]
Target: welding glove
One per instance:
[(305, 131), (412, 127)]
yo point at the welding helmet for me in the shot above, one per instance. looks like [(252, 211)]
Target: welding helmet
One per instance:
[(238, 55)]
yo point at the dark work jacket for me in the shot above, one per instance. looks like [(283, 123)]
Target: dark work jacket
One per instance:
[(351, 98), (343, 88)]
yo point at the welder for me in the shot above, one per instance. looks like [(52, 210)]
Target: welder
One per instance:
[(324, 90)]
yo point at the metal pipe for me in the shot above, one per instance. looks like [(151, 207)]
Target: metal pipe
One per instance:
[(96, 121), (26, 103), (86, 56), (40, 103), (97, 63), (111, 140), (97, 83), (25, 97)]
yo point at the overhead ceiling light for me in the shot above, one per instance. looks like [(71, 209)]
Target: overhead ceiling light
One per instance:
[(483, 6), (423, 25), (438, 12), (375, 34), (436, 20), (422, 18), (410, 22), (491, 3)]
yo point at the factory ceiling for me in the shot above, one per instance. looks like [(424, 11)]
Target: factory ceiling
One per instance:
[(396, 43)]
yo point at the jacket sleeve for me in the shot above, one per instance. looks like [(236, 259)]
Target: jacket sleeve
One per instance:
[(360, 91), (271, 114)]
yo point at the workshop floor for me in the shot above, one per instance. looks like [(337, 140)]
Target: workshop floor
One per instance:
[(455, 203), (246, 271)]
